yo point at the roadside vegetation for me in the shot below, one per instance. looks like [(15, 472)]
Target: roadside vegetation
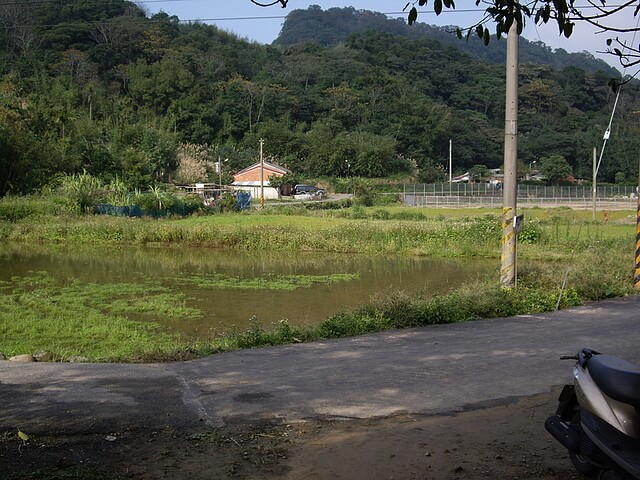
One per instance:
[(579, 261)]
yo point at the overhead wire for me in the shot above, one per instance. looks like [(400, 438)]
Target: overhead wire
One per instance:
[(233, 19), (606, 137), (607, 132)]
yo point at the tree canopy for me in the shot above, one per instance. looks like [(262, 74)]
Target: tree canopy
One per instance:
[(107, 90), (603, 14), (555, 168), (333, 26)]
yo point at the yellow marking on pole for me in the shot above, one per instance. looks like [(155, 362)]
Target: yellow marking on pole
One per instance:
[(508, 246)]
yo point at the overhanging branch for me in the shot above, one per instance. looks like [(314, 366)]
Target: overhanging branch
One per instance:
[(270, 4)]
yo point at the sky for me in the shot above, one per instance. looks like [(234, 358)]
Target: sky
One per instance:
[(262, 24)]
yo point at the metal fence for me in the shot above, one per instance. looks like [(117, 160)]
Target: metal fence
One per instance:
[(484, 194)]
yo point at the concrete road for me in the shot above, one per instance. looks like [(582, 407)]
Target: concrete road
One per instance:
[(425, 370)]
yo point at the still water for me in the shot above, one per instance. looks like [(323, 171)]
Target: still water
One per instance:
[(250, 291)]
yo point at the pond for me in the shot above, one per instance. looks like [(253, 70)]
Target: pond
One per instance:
[(231, 289)]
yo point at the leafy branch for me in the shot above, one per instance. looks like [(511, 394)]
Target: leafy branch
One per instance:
[(503, 13), (565, 13), (270, 4)]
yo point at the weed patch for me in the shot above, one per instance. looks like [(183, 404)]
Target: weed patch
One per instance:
[(267, 282)]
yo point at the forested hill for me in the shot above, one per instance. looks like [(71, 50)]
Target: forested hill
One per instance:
[(88, 85), (333, 26)]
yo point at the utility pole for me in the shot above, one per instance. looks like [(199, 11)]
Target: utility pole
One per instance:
[(450, 161), (595, 175), (261, 175), (636, 279), (510, 186)]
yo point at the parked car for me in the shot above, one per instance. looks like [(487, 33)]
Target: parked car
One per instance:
[(308, 190)]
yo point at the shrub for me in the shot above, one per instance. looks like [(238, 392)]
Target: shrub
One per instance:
[(349, 324), (13, 209), (381, 215), (531, 234)]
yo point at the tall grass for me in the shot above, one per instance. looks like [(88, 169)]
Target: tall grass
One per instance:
[(441, 236), (364, 236)]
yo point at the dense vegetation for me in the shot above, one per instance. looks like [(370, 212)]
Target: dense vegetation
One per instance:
[(99, 87)]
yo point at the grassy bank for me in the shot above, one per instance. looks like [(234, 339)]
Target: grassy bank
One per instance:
[(440, 233), (581, 261)]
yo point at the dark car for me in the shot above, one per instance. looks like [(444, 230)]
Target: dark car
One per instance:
[(307, 190)]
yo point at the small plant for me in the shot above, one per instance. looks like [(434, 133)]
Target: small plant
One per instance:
[(381, 214), (358, 212), (532, 233), (227, 203), (255, 336), (158, 197), (118, 193)]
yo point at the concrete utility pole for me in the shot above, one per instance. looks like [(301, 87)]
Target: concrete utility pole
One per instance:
[(450, 161), (637, 272), (595, 176), (220, 172), (261, 175), (510, 185)]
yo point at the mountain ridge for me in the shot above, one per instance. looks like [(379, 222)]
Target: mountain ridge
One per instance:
[(333, 26)]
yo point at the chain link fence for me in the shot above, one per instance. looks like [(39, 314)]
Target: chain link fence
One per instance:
[(485, 194)]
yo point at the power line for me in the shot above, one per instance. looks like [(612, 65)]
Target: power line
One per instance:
[(195, 20), (228, 19)]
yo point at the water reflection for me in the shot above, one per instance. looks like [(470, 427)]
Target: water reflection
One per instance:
[(233, 308)]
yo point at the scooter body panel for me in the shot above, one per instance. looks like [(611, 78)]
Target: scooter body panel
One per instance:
[(621, 416), (621, 449)]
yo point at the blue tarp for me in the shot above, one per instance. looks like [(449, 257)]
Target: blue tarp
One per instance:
[(125, 211), (244, 200)]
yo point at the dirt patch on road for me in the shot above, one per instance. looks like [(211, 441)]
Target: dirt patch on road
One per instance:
[(506, 441)]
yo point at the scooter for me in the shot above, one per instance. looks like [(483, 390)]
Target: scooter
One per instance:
[(598, 417)]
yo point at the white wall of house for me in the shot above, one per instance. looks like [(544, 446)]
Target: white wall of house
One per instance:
[(270, 193)]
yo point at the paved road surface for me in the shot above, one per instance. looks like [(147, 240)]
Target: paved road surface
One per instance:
[(434, 369)]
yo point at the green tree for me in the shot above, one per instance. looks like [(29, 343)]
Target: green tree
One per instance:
[(432, 172), (26, 162), (156, 39), (479, 173), (148, 154), (555, 168), (157, 85)]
